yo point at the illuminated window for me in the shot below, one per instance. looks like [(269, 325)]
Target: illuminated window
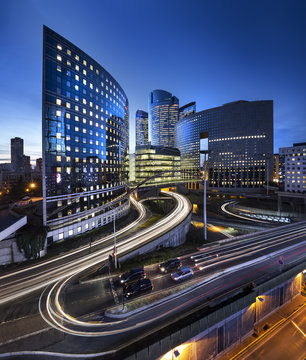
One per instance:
[(59, 47), (91, 67), (77, 68), (84, 62), (68, 105), (77, 57), (69, 52), (68, 62), (77, 78), (58, 102), (58, 68), (58, 113), (58, 158), (59, 58)]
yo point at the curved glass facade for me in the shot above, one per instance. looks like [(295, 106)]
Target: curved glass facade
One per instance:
[(141, 126), (85, 139), (163, 115), (240, 143)]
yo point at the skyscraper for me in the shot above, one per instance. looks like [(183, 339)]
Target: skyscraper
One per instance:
[(163, 115), (141, 126), (85, 140), (240, 143), (17, 153)]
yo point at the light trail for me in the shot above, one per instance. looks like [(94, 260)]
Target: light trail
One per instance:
[(223, 208), (142, 212), (31, 283)]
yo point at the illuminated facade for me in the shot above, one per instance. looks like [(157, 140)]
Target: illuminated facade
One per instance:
[(151, 160), (292, 168), (141, 126), (163, 115), (187, 110), (85, 140), (240, 143)]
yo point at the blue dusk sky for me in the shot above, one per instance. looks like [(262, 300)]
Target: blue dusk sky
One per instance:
[(211, 52)]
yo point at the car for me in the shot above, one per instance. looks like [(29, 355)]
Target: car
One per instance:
[(132, 275), (140, 286), (182, 273), (170, 265)]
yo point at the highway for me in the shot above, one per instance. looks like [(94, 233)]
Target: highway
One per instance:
[(228, 267), (217, 271)]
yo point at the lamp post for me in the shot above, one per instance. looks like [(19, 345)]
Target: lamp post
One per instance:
[(115, 245), (205, 152)]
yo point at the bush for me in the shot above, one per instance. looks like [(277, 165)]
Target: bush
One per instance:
[(32, 241)]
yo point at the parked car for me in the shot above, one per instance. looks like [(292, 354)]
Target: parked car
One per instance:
[(182, 273), (140, 286), (170, 265), (132, 275)]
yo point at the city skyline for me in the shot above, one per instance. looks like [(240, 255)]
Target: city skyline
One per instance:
[(259, 58)]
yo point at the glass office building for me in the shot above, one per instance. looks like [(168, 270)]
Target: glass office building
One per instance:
[(240, 143), (85, 140), (163, 115), (152, 160), (141, 125)]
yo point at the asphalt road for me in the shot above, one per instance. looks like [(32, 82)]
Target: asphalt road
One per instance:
[(209, 283), (289, 342)]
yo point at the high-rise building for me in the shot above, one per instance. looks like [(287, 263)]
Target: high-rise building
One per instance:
[(152, 160), (141, 126), (17, 153), (163, 115), (85, 140), (292, 168), (187, 110), (39, 165), (240, 143)]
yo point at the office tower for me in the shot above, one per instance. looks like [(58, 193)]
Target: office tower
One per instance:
[(187, 110), (39, 165), (141, 126), (85, 140), (152, 160), (240, 144), (17, 154), (163, 115), (292, 168)]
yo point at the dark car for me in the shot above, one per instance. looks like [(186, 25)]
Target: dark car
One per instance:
[(170, 265), (132, 275), (140, 286)]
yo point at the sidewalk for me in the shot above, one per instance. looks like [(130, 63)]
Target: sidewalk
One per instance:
[(265, 325)]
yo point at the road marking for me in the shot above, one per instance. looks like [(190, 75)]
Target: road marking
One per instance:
[(25, 336), (302, 332)]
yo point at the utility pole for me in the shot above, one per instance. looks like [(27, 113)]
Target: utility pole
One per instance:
[(205, 152), (115, 245)]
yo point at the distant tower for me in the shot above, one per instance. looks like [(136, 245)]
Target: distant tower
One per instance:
[(17, 153), (187, 110), (141, 128), (163, 115)]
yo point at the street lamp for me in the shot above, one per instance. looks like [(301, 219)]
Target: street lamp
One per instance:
[(205, 152)]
